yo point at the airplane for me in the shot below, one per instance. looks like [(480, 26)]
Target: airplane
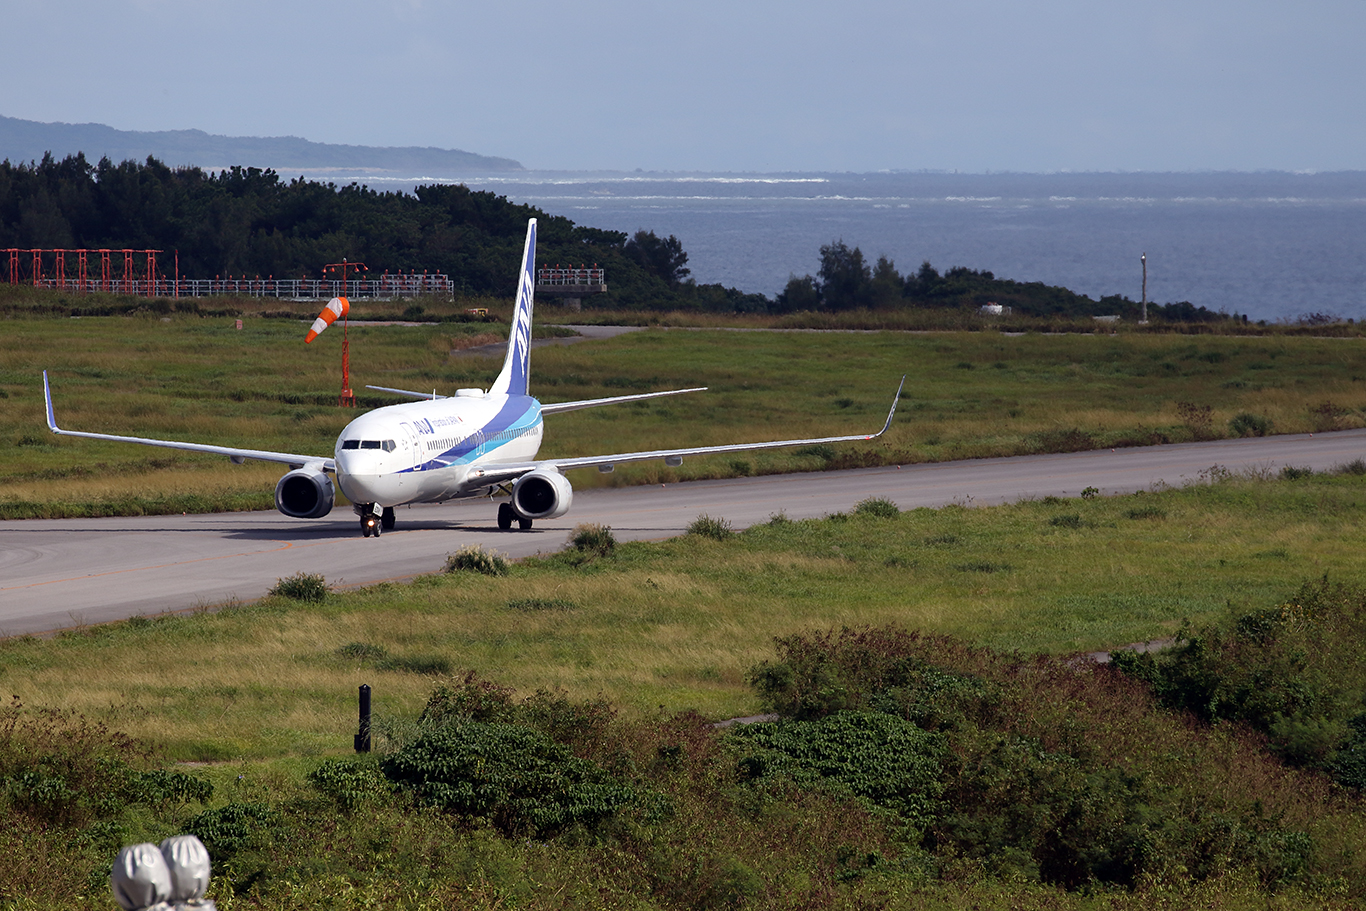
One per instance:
[(475, 443)]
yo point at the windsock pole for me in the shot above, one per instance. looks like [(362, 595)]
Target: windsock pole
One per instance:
[(338, 307)]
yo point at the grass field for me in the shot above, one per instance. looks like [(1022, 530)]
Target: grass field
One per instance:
[(675, 624), (968, 394), (665, 633)]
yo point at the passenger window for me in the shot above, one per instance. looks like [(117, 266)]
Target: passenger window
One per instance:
[(351, 444)]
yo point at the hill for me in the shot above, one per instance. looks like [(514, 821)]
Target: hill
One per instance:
[(28, 140)]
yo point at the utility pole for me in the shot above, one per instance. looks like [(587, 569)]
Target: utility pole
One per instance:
[(1144, 259)]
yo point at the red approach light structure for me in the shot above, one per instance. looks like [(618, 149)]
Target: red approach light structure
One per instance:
[(127, 283), (347, 399)]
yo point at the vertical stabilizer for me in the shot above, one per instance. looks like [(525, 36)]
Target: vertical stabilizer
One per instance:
[(516, 374)]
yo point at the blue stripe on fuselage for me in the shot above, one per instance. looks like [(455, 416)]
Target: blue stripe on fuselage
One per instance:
[(519, 413)]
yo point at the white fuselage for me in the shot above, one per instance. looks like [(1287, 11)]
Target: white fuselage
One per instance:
[(427, 451)]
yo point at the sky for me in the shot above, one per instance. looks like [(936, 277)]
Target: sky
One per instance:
[(722, 85)]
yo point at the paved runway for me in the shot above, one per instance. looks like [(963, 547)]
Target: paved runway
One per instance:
[(62, 573)]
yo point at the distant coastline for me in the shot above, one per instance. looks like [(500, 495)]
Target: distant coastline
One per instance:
[(29, 140)]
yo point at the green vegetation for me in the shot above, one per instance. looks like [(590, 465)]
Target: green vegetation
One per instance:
[(250, 223), (301, 587), (475, 559), (184, 377), (847, 282), (543, 739)]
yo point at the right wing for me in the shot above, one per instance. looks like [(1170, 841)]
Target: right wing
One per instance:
[(500, 472), (237, 455)]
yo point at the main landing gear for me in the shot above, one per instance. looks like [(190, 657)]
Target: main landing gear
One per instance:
[(372, 522), (507, 515)]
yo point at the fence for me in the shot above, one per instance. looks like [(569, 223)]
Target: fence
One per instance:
[(548, 275)]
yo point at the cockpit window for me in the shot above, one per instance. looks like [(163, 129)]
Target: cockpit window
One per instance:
[(350, 444), (386, 445), (369, 444)]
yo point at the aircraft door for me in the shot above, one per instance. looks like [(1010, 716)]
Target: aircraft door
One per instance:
[(410, 442)]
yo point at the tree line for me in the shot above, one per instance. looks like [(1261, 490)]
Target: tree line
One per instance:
[(245, 221), (846, 281)]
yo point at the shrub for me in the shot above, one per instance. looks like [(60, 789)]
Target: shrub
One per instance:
[(1354, 467), (879, 507), (475, 559), (349, 782), (517, 778), (468, 699), (308, 587), (593, 539), (886, 761), (1071, 520), (1147, 512), (1296, 473), (1199, 419), (1245, 424), (705, 526), (236, 827), (1292, 671)]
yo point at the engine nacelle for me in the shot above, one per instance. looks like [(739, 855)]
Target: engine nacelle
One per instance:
[(305, 493), (542, 494)]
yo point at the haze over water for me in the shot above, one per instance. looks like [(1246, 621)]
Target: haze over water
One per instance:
[(1272, 245)]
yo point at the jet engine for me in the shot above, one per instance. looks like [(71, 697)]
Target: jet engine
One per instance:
[(305, 493), (542, 494)]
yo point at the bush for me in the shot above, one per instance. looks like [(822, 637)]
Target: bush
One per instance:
[(1354, 467), (518, 779), (1245, 424), (705, 526), (1071, 520), (880, 507), (1296, 473), (1147, 512), (349, 783), (593, 539), (1292, 671), (307, 587), (886, 761), (474, 559)]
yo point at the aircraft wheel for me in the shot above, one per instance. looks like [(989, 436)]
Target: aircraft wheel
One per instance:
[(364, 528), (505, 516), (386, 519), (523, 524)]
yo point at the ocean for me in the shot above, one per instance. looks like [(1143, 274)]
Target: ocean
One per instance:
[(1271, 245)]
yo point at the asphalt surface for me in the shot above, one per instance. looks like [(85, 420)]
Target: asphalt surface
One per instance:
[(57, 574)]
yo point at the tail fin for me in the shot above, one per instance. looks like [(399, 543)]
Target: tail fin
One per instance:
[(516, 374)]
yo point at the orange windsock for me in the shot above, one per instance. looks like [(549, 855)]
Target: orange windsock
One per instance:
[(336, 307)]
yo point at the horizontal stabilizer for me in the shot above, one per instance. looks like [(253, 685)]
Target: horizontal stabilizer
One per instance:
[(559, 407), (427, 396)]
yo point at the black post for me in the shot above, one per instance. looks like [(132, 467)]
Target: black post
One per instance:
[(363, 738)]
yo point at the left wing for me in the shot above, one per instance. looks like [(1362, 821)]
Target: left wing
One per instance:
[(494, 473), (237, 455)]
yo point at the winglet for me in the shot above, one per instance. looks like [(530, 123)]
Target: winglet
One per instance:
[(893, 411), (47, 396)]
